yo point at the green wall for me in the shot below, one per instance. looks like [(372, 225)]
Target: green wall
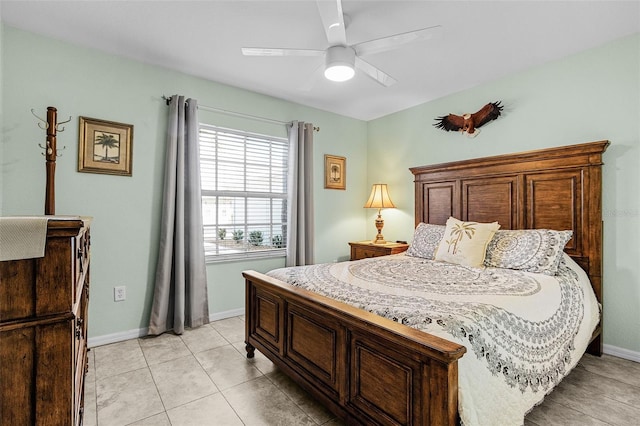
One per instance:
[(586, 97), (38, 72)]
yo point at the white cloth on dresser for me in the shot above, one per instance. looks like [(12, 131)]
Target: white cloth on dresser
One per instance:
[(22, 237), (25, 237)]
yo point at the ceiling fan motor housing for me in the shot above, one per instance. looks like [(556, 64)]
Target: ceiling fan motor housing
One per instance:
[(340, 62)]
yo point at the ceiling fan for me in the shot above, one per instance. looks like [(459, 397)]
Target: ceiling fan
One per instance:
[(341, 59)]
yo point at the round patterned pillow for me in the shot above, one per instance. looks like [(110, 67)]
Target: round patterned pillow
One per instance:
[(530, 250), (426, 239)]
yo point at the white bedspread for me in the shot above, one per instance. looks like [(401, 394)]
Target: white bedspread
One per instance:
[(523, 332)]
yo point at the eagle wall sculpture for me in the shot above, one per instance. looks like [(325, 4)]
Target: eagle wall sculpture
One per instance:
[(469, 123)]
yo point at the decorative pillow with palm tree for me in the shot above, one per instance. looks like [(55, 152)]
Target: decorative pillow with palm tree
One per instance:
[(465, 243)]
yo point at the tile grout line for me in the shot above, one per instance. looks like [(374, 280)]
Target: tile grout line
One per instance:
[(155, 385), (619, 383), (157, 390), (613, 379), (603, 395), (193, 355), (589, 416), (220, 391), (250, 380), (231, 406), (262, 374)]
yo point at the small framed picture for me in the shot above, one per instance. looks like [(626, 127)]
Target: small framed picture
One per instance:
[(335, 172), (105, 147)]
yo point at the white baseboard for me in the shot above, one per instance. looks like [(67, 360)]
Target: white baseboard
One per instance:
[(226, 314), (621, 353), (121, 336)]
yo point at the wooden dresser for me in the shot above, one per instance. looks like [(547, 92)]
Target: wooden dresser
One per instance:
[(365, 249), (43, 329)]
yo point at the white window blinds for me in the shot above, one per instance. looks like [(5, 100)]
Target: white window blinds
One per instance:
[(244, 193)]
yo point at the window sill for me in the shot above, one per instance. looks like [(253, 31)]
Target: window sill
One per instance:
[(242, 257)]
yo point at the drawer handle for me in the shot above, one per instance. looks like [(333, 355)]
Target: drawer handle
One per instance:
[(80, 254), (79, 323)]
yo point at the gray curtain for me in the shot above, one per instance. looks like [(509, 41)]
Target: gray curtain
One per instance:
[(180, 296), (300, 236)]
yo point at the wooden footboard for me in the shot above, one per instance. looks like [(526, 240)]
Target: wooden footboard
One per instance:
[(364, 368)]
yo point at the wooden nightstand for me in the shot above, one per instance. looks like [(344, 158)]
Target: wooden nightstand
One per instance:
[(364, 249)]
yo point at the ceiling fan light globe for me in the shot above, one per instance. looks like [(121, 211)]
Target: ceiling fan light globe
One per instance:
[(339, 72), (340, 63)]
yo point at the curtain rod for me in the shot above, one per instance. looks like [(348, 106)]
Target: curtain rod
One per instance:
[(237, 114)]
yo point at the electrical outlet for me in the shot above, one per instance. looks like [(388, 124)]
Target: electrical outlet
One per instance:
[(119, 293)]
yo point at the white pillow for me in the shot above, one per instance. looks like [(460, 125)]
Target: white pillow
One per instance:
[(465, 243)]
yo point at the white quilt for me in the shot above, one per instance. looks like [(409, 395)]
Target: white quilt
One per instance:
[(523, 332)]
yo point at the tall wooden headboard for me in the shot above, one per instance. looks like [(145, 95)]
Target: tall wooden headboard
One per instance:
[(557, 188)]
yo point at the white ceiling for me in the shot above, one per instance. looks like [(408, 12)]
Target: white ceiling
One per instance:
[(481, 41)]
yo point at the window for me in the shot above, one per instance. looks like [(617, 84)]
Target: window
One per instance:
[(244, 193)]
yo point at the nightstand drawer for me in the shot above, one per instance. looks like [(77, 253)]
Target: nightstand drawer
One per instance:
[(366, 249), (362, 253)]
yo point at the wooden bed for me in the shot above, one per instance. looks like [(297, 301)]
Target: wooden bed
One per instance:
[(370, 370)]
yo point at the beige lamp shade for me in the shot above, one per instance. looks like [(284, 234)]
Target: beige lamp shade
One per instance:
[(379, 199)]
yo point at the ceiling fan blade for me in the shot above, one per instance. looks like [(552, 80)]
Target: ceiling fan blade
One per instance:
[(394, 41), (266, 51), (373, 72), (333, 21), (313, 78)]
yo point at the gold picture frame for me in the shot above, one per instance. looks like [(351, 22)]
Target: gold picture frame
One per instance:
[(335, 172), (105, 147)]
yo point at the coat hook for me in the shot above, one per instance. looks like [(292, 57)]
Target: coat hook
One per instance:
[(46, 148), (39, 124), (61, 129)]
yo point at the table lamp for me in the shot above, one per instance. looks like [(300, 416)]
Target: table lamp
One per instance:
[(379, 199)]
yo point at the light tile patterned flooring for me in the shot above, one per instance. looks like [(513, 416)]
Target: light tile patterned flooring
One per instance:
[(203, 378)]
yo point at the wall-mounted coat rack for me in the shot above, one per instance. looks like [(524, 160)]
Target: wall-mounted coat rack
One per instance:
[(52, 127)]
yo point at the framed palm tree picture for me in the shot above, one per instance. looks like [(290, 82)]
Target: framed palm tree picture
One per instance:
[(105, 147), (335, 172)]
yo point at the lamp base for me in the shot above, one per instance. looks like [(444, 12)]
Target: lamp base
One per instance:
[(379, 240), (379, 225)]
